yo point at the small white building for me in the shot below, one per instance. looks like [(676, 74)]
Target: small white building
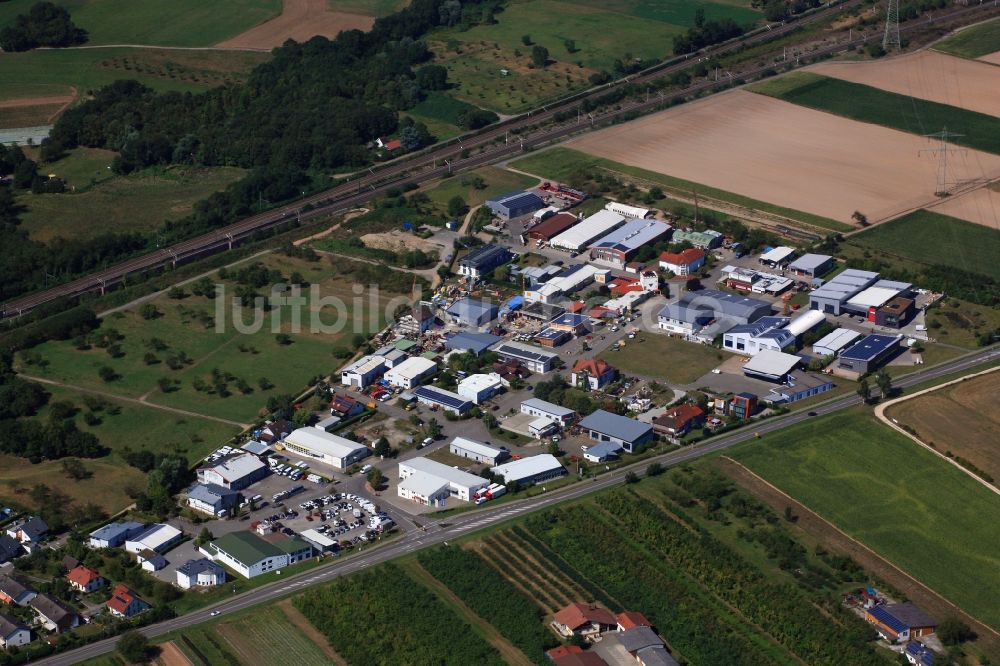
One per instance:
[(534, 358), (411, 372), (334, 450), (200, 573), (476, 451), (480, 387), (156, 538), (362, 372), (429, 482), (834, 342), (535, 469), (13, 633), (561, 416), (626, 210), (234, 472)]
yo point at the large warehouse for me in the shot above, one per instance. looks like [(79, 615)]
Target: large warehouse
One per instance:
[(868, 353), (551, 227), (515, 204), (331, 449), (429, 482), (832, 296), (234, 472), (771, 366), (534, 469), (831, 343), (618, 247), (710, 312), (583, 234), (476, 451), (411, 372)]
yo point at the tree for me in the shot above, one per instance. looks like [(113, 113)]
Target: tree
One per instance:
[(283, 339), (884, 382), (204, 537), (539, 56), (864, 390), (570, 46), (554, 449), (264, 384), (432, 429), (699, 17), (502, 273), (382, 448), (176, 293), (133, 647), (148, 311), (953, 631), (655, 469), (432, 77), (164, 384), (375, 478), (107, 373), (74, 469), (860, 218), (457, 206), (631, 477), (526, 40)]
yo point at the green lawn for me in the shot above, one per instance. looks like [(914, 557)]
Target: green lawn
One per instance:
[(376, 8), (930, 238), (440, 112), (562, 163), (960, 323), (973, 42), (498, 181), (138, 202), (880, 107), (662, 356), (919, 512), (156, 22), (679, 12)]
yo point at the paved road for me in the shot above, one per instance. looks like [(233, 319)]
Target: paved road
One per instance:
[(450, 528)]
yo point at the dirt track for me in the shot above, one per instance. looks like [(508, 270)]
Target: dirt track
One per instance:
[(929, 75), (299, 20), (170, 655), (785, 154)]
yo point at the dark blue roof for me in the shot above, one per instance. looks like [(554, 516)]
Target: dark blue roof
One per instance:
[(518, 199), (485, 256), (923, 656), (870, 347), (477, 343), (441, 397), (882, 614), (551, 334)]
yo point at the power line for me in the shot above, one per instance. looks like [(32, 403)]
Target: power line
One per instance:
[(942, 154), (891, 38)]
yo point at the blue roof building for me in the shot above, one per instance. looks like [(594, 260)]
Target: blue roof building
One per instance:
[(515, 204), (868, 353), (476, 343), (113, 535), (918, 655), (446, 400), (900, 621), (604, 426), (472, 313)]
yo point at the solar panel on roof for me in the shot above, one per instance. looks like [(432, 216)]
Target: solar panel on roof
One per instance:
[(446, 399), (887, 618)]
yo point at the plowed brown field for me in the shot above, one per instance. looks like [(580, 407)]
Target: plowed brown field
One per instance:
[(299, 20)]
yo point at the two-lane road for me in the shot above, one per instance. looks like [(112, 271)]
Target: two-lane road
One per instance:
[(451, 528)]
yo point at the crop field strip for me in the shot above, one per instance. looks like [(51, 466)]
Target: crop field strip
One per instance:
[(974, 42), (888, 109), (556, 580), (533, 588)]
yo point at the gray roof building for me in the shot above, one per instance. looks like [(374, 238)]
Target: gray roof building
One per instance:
[(638, 638), (114, 534), (604, 426), (14, 590), (811, 265), (32, 530), (696, 309), (515, 204), (476, 343), (9, 548), (832, 296), (472, 313), (483, 260)]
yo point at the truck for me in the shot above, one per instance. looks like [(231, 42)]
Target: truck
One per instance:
[(493, 491)]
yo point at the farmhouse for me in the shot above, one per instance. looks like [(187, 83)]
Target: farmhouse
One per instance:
[(811, 265), (476, 451), (52, 615), (682, 263), (480, 387), (334, 450), (632, 619), (602, 452), (411, 372), (777, 257), (475, 343), (124, 603), (900, 622), (13, 591), (868, 353), (703, 240), (437, 398), (13, 633), (533, 358), (552, 227), (585, 620), (695, 311), (771, 366), (472, 313), (200, 573), (429, 482), (84, 579), (251, 556), (156, 538), (604, 426), (483, 260), (235, 472), (833, 342), (362, 372), (678, 421), (212, 499), (619, 246), (515, 204), (589, 230), (534, 469), (9, 548), (592, 374), (547, 410)]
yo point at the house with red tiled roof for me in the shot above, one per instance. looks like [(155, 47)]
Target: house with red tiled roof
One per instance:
[(576, 307), (124, 603), (85, 579), (678, 421), (632, 619), (562, 651), (587, 620), (624, 285), (592, 373), (580, 659), (345, 406), (682, 263)]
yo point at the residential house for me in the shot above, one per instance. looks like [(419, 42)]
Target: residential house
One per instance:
[(124, 603), (234, 472), (683, 263), (212, 499), (417, 321), (30, 532), (579, 659), (632, 619), (592, 374), (84, 579), (10, 548), (275, 431), (52, 614), (344, 406), (604, 426), (13, 633), (678, 421), (586, 620), (743, 405), (113, 535), (13, 591), (200, 573)]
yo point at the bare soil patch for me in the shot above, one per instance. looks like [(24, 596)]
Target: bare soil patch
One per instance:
[(929, 75), (170, 655), (993, 58), (32, 111), (397, 241), (962, 418), (981, 206), (300, 20), (785, 154), (837, 541), (311, 632)]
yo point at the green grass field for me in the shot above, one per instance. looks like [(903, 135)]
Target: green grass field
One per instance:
[(376, 8), (664, 356), (562, 163), (880, 107), (973, 42), (498, 181), (929, 238), (440, 113), (959, 322), (138, 202), (919, 512), (158, 23), (679, 12), (188, 326)]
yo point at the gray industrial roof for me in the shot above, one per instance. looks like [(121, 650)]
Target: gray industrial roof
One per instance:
[(845, 285), (547, 407), (770, 362), (477, 343), (620, 427), (695, 304), (809, 262), (633, 235), (467, 308), (484, 256)]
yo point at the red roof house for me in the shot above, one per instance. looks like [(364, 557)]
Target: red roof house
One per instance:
[(683, 263), (678, 421), (592, 373), (85, 579), (632, 619), (562, 651), (124, 602), (624, 285), (584, 619)]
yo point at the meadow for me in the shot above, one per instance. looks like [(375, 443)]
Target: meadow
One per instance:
[(914, 509), (497, 181), (973, 42), (440, 113), (376, 8), (888, 109), (563, 163), (154, 23), (665, 356), (930, 238)]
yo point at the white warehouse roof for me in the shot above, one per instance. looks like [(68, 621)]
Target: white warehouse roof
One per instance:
[(769, 362), (805, 322), (423, 484), (527, 467), (314, 439), (475, 447), (834, 341), (318, 538), (626, 210), (777, 254), (592, 228), (156, 536), (441, 471), (478, 382), (873, 297), (413, 367)]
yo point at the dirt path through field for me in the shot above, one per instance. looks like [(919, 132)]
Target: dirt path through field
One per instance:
[(299, 20), (170, 655), (507, 650), (311, 632), (834, 539), (37, 101)]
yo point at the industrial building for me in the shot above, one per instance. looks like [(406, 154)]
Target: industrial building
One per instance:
[(418, 320), (900, 622), (710, 312), (682, 263), (480, 387), (895, 313), (777, 257), (515, 204), (633, 212), (531, 470), (334, 450), (832, 343), (113, 535), (411, 372), (855, 291), (562, 416), (429, 482), (799, 385), (535, 359), (576, 324), (749, 280), (811, 265), (602, 452), (551, 227), (703, 240), (475, 343), (472, 313), (619, 246), (551, 337), (476, 451), (250, 556), (362, 372), (604, 426), (566, 281), (868, 353), (771, 366), (772, 333), (586, 232), (156, 538), (211, 499), (234, 472), (437, 398), (483, 260)]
